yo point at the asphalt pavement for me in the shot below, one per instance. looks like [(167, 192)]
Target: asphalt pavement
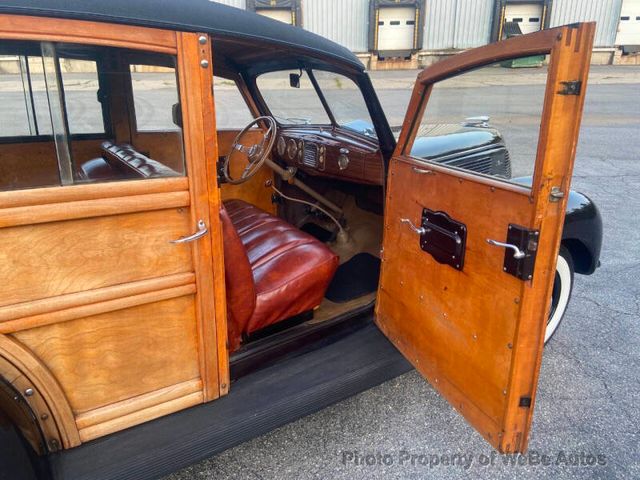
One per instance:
[(587, 404)]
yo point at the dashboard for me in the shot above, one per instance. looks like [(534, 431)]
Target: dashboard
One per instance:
[(331, 153)]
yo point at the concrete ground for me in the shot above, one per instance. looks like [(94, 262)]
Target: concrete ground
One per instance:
[(587, 405)]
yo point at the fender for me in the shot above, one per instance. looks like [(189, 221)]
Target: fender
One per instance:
[(22, 442)]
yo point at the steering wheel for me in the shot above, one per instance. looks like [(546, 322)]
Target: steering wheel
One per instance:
[(253, 156)]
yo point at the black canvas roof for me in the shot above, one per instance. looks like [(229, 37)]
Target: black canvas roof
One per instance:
[(189, 15)]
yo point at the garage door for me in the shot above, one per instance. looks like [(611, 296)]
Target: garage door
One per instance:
[(395, 28), (527, 15), (629, 27), (280, 14)]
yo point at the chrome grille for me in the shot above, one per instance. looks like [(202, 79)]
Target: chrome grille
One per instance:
[(310, 155), (480, 165)]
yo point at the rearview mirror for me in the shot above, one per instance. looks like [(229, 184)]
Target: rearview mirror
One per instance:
[(294, 80)]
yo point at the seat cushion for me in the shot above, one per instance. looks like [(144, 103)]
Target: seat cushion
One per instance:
[(291, 269), (133, 164)]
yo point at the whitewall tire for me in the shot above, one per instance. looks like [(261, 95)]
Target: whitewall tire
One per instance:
[(562, 287)]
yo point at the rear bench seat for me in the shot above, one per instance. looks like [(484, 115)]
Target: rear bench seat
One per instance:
[(123, 162)]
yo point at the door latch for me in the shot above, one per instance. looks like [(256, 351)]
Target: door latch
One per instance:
[(521, 247), (556, 194)]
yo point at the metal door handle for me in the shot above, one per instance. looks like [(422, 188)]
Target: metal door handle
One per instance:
[(202, 231), (418, 230), (518, 254)]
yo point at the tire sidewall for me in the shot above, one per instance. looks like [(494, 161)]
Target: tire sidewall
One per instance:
[(565, 274)]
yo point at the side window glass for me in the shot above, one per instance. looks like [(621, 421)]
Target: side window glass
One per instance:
[(155, 92), (25, 112), (82, 96), (486, 121), (74, 114), (232, 112)]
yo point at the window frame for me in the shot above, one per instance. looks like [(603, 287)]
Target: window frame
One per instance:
[(106, 114)]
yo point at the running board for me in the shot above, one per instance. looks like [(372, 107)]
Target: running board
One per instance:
[(257, 404)]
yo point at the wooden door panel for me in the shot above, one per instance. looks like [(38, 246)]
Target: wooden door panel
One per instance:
[(477, 333), (113, 324), (421, 296), (154, 345), (58, 258)]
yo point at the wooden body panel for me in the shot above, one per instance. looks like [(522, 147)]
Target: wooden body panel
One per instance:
[(253, 191), (43, 259), (477, 334), (108, 320), (34, 163)]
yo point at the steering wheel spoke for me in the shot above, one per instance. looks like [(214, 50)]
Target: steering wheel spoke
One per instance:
[(256, 154)]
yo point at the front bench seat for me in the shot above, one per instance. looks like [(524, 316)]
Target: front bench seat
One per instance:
[(273, 270)]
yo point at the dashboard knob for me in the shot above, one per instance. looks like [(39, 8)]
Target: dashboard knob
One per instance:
[(343, 160)]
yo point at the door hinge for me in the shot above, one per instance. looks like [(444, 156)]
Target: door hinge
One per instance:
[(556, 194), (220, 171), (525, 402), (527, 242), (574, 87)]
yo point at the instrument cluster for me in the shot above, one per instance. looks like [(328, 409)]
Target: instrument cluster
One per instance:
[(330, 154)]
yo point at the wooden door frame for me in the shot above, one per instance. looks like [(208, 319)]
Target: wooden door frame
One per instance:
[(84, 201), (556, 155)]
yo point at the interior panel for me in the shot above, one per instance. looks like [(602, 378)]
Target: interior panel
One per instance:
[(419, 296), (253, 191)]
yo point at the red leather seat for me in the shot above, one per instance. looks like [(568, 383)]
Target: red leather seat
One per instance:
[(273, 270)]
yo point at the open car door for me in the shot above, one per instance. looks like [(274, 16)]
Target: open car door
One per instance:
[(469, 260)]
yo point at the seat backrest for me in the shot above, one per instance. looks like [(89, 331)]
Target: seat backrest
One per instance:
[(132, 164), (240, 286)]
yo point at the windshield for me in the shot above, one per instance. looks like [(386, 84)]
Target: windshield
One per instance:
[(345, 101), (295, 101), (289, 105)]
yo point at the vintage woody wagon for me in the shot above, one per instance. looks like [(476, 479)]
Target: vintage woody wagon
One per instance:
[(172, 284)]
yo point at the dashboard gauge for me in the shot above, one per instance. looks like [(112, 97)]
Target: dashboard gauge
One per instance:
[(292, 149), (343, 159), (281, 146)]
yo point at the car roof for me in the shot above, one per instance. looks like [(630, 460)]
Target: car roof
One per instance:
[(206, 16)]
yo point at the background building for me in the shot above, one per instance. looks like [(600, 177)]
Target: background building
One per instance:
[(414, 33)]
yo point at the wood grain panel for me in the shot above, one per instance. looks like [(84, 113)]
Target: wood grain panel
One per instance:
[(104, 359), (65, 302), (140, 416), (28, 165), (47, 260), (366, 164), (55, 212), (477, 334), (253, 191), (196, 91), (420, 299), (141, 402), (19, 27), (79, 193), (90, 309)]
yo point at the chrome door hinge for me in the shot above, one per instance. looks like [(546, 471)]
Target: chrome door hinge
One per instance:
[(556, 194)]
